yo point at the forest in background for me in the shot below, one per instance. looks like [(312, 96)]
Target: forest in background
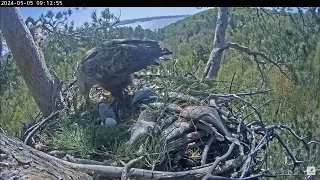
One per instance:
[(291, 39)]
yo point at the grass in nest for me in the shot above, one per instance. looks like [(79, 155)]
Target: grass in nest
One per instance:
[(155, 150), (90, 138)]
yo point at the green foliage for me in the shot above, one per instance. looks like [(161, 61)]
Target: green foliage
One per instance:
[(285, 38), (292, 39), (64, 47), (196, 29), (89, 138), (18, 107), (16, 102)]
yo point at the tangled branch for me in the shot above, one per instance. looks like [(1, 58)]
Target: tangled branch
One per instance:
[(216, 146)]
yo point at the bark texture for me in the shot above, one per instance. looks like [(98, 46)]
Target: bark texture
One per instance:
[(19, 161), (28, 57), (213, 64)]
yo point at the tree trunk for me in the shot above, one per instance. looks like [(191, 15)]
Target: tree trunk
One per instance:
[(213, 64), (19, 161), (28, 57)]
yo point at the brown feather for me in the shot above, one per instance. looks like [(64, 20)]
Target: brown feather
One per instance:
[(112, 64)]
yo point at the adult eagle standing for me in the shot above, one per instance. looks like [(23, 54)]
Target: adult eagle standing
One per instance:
[(111, 65)]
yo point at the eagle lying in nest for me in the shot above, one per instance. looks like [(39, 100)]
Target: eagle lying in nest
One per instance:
[(111, 65)]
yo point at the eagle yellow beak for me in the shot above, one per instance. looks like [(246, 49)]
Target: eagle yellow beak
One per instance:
[(108, 97)]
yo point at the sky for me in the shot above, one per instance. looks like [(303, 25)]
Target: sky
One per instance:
[(126, 12)]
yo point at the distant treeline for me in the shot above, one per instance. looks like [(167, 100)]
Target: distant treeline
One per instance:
[(149, 19)]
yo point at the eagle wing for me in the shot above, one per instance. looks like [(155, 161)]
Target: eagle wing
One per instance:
[(120, 58)]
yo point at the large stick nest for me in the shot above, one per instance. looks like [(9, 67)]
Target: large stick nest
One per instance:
[(199, 135)]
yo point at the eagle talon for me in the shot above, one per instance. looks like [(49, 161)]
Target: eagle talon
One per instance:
[(103, 66)]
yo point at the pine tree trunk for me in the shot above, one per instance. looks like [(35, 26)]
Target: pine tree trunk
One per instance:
[(28, 57), (213, 64)]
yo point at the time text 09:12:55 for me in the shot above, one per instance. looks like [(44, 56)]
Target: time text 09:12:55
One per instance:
[(30, 3)]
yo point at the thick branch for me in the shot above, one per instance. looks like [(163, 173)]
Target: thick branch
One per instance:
[(54, 168), (124, 175), (213, 64), (246, 50), (28, 57), (247, 178), (218, 160), (219, 45), (24, 162)]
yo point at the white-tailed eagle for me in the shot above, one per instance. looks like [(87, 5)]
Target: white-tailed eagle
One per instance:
[(111, 65)]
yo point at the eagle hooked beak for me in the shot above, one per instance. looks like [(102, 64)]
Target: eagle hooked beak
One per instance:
[(106, 97)]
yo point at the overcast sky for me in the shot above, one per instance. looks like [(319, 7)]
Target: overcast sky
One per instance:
[(126, 12)]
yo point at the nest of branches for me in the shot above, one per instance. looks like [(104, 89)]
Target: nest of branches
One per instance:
[(211, 133), (199, 135)]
